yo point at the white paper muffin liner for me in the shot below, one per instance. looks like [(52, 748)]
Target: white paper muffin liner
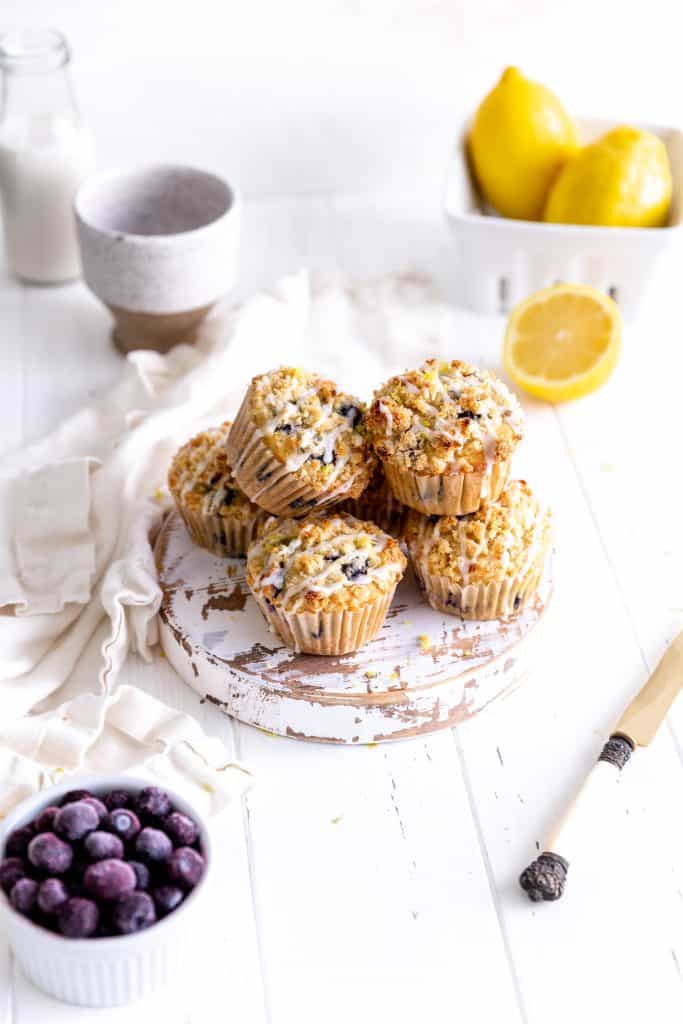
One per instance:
[(222, 535), (455, 494), (497, 599), (387, 512), (328, 632)]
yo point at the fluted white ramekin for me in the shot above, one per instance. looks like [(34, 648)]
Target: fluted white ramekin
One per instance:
[(108, 971)]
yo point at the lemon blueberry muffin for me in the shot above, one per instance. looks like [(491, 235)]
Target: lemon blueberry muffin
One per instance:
[(218, 516), (378, 504), (324, 582), (485, 565), (445, 434), (298, 443)]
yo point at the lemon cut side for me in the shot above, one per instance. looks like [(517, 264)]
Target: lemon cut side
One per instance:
[(562, 342)]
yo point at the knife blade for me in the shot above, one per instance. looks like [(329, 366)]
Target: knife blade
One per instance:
[(648, 709)]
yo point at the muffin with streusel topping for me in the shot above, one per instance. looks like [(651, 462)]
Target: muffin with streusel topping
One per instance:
[(485, 565), (217, 514), (445, 434), (299, 444), (325, 582), (378, 504)]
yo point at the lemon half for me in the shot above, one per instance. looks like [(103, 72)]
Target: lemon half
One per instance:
[(562, 342)]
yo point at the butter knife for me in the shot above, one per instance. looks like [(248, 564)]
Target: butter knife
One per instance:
[(545, 878)]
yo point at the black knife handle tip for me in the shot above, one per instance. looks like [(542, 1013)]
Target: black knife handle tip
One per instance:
[(545, 878)]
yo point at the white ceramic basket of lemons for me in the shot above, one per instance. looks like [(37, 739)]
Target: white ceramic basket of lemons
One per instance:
[(501, 260)]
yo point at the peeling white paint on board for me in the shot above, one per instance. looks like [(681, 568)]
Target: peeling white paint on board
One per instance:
[(424, 671)]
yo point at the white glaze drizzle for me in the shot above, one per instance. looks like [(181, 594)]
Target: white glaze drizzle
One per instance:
[(284, 556)]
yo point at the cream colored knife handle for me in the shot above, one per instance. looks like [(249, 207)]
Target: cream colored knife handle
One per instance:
[(545, 878)]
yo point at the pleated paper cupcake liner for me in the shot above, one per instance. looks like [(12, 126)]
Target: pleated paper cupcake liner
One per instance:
[(455, 494), (493, 600), (388, 513), (328, 633), (222, 535), (267, 481)]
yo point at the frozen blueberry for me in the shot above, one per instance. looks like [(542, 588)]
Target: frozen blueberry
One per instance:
[(23, 896), (185, 866), (153, 802), (153, 845), (181, 829), (123, 823), (17, 842), (11, 870), (51, 894), (116, 798), (133, 912), (141, 873), (109, 879), (98, 806), (78, 918), (103, 846), (49, 853), (73, 795), (166, 898), (45, 822), (75, 820)]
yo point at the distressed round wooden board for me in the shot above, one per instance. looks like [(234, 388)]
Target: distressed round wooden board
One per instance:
[(424, 671)]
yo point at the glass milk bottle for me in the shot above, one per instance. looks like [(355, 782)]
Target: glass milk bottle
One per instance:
[(45, 152)]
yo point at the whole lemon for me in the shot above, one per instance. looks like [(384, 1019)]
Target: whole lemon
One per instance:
[(520, 138), (623, 179)]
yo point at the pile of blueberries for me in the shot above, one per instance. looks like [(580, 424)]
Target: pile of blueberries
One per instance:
[(102, 866)]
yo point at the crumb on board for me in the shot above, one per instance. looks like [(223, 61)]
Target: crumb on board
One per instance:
[(335, 821), (208, 787), (370, 674), (424, 642), (394, 676), (373, 744), (159, 495), (162, 653), (407, 622)]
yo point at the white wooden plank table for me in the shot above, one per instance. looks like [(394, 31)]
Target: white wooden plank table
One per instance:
[(381, 882)]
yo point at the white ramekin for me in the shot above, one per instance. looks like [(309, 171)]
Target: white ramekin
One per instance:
[(108, 971)]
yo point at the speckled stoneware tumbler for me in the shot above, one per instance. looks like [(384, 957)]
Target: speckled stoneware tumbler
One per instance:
[(159, 248)]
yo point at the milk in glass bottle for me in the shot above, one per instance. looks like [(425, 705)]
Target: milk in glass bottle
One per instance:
[(45, 152)]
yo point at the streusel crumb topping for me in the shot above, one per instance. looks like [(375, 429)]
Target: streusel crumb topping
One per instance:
[(200, 478), (313, 428), (323, 563), (502, 539), (445, 417)]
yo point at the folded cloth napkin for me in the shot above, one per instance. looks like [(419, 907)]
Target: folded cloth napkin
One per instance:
[(78, 512)]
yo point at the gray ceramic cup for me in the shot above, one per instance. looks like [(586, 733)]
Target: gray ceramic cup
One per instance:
[(159, 247)]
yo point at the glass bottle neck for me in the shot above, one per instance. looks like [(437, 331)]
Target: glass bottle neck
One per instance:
[(35, 77), (30, 95)]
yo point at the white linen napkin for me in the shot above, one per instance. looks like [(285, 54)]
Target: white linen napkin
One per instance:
[(78, 511)]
